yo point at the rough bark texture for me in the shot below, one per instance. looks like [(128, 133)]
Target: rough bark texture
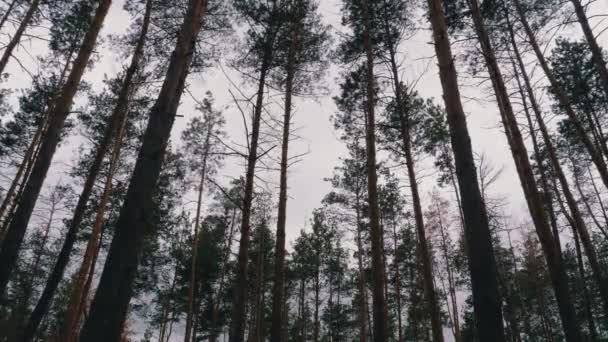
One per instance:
[(379, 301), (278, 295), (482, 264), (109, 307), (8, 50), (562, 97), (61, 108), (117, 117)]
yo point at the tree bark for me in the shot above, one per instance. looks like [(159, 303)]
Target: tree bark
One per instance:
[(16, 230), (279, 256), (562, 97), (109, 307), (117, 117), (8, 50), (380, 327), (482, 264)]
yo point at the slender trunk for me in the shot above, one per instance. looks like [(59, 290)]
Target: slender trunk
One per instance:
[(363, 309), (117, 117), (111, 301), (398, 288), (227, 248), (451, 282), (583, 197), (195, 240), (482, 265), (537, 154), (254, 333), (583, 286), (317, 289), (79, 294), (380, 327), (31, 153), (237, 323), (279, 257), (562, 97), (427, 275), (534, 200), (596, 50), (25, 22), (16, 230), (579, 222), (8, 12)]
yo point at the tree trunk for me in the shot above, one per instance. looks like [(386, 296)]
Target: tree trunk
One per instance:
[(110, 304), (237, 324), (10, 47), (379, 301), (451, 282), (117, 117), (596, 50), (16, 230), (562, 97), (583, 286), (363, 309), (427, 274), (279, 256), (579, 222), (482, 265), (534, 200), (398, 289), (85, 273), (195, 240), (227, 248)]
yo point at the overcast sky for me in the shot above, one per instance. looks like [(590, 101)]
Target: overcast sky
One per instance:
[(306, 184)]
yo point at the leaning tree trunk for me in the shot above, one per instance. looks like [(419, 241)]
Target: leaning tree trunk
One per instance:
[(534, 200), (427, 273), (86, 271), (596, 50), (577, 217), (583, 286), (109, 307), (61, 109), (278, 295), (25, 22), (379, 301), (482, 264), (115, 120), (562, 97)]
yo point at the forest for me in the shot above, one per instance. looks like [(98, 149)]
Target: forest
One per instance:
[(303, 170)]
